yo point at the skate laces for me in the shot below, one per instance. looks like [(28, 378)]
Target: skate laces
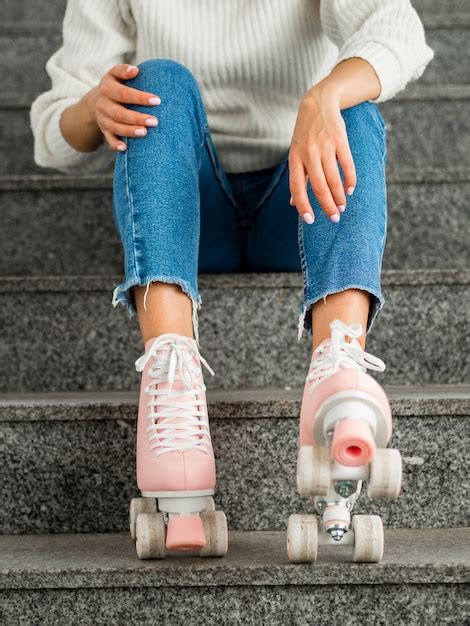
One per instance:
[(175, 421), (336, 353)]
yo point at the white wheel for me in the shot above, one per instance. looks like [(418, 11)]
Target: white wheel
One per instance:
[(313, 471), (215, 530), (150, 536), (210, 506), (385, 474), (302, 538), (138, 506), (368, 538)]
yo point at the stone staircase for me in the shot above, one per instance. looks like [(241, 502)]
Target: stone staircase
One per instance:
[(68, 395)]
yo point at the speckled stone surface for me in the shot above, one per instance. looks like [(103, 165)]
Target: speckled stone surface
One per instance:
[(29, 10), (430, 556), (80, 342), (411, 237), (70, 462), (82, 239), (350, 605), (243, 403), (416, 128), (93, 579), (451, 63), (59, 232), (98, 579)]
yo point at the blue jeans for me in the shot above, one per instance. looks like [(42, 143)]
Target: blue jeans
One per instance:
[(179, 213)]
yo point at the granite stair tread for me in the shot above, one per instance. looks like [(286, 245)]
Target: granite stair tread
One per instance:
[(421, 277), (256, 347), (242, 403), (254, 558)]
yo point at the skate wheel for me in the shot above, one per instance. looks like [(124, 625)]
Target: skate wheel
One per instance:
[(150, 536), (302, 538), (368, 538), (313, 471), (385, 474), (138, 506), (215, 530), (210, 504)]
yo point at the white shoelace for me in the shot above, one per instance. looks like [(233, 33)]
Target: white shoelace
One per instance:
[(173, 423), (336, 353)]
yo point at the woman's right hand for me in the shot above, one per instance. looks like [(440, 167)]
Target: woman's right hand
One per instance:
[(105, 106)]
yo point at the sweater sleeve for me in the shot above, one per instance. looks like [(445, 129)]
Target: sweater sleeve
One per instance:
[(96, 36), (388, 34)]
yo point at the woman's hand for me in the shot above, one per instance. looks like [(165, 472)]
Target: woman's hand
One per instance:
[(105, 103), (318, 143)]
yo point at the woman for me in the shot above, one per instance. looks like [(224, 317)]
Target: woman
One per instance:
[(222, 117)]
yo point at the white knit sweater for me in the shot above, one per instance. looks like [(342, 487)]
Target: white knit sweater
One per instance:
[(253, 60)]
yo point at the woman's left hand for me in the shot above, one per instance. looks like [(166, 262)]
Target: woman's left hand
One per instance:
[(319, 142)]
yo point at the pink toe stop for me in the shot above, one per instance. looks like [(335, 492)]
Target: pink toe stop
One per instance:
[(353, 443), (185, 533)]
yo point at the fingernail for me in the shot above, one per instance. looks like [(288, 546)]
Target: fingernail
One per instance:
[(350, 191), (155, 100), (341, 208), (334, 218), (130, 68), (308, 217), (152, 121), (140, 132), (121, 147), (291, 202)]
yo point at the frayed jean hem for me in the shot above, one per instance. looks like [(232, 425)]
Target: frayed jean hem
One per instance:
[(305, 320), (124, 295)]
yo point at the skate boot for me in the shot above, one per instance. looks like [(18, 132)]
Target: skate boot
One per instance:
[(345, 424), (175, 461)]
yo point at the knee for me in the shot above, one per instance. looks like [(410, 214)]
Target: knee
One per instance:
[(162, 74), (364, 118)]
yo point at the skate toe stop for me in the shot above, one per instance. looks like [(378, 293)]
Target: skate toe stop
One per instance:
[(185, 533)]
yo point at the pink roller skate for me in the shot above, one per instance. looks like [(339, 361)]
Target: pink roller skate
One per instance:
[(175, 461), (345, 424)]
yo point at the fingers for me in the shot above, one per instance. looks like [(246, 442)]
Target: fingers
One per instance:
[(119, 113), (320, 186), (298, 189), (122, 130), (344, 156), (116, 120), (114, 142), (124, 71), (115, 90), (333, 179)]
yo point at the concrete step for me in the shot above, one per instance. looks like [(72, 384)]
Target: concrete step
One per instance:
[(26, 48), (50, 579), (30, 11), (248, 329), (69, 458), (429, 127), (74, 216)]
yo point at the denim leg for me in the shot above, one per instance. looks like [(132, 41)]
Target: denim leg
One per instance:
[(333, 257), (348, 255), (156, 198)]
